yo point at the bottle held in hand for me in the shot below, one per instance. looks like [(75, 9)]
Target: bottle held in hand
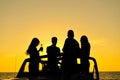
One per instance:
[(41, 48)]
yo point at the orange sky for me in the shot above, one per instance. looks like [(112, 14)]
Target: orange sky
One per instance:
[(21, 20)]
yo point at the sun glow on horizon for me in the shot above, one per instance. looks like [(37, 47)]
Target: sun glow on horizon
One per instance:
[(22, 20)]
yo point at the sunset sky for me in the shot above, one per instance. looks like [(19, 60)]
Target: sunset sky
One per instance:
[(22, 20)]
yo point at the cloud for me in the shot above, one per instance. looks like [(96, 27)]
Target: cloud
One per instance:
[(99, 42)]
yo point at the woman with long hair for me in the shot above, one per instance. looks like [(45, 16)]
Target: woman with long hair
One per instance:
[(34, 57), (85, 53)]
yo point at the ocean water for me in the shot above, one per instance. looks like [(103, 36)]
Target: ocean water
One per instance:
[(109, 75), (103, 75)]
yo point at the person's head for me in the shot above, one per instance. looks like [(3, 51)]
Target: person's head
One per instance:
[(70, 34), (84, 39), (54, 40), (35, 42)]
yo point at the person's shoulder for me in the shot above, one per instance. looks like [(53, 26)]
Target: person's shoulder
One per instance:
[(75, 40), (66, 39), (48, 47), (58, 48), (89, 45)]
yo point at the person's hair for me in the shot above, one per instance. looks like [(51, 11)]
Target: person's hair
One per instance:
[(34, 43), (84, 39), (70, 34), (54, 40)]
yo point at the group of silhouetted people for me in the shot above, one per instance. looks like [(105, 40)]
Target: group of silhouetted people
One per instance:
[(71, 51)]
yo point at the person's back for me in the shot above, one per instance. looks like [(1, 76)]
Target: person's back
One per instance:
[(85, 53), (52, 52), (70, 51)]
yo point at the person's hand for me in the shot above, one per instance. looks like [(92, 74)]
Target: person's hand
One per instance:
[(41, 48)]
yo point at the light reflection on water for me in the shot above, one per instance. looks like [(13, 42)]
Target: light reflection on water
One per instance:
[(103, 76), (109, 75)]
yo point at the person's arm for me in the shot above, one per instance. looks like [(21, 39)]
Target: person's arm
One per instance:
[(64, 47), (41, 49)]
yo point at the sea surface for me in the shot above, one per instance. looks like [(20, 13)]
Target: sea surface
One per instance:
[(103, 75)]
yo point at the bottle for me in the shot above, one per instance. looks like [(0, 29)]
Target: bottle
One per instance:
[(41, 48)]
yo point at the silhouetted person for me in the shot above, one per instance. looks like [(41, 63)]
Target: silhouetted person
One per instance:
[(34, 57), (85, 53), (70, 51), (53, 51)]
